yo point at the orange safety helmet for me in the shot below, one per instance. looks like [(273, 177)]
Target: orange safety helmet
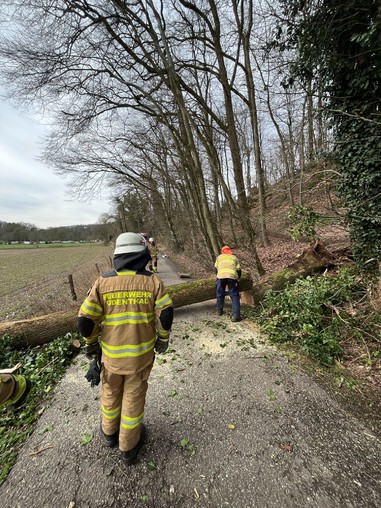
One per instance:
[(226, 250)]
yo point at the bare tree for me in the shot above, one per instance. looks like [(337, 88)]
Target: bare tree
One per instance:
[(148, 96), (243, 12)]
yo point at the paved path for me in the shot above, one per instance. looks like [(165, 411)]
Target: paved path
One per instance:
[(169, 272), (231, 423)]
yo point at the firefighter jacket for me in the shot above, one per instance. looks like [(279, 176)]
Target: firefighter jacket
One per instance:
[(227, 265), (128, 308), (154, 251)]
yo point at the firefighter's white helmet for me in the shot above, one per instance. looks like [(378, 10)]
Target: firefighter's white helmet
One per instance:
[(129, 242)]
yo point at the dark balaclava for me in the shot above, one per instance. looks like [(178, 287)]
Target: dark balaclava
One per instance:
[(135, 261)]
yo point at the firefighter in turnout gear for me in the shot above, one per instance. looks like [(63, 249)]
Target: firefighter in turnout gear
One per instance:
[(13, 388), (154, 255), (128, 316), (228, 272)]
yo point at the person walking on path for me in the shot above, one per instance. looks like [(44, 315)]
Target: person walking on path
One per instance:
[(154, 255), (228, 272), (126, 317)]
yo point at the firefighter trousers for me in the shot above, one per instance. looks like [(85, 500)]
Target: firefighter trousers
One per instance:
[(232, 286), (122, 402)]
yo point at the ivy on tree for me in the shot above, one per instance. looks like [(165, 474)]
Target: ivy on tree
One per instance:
[(338, 45)]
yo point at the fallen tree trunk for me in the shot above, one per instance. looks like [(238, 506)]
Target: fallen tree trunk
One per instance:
[(201, 290), (314, 259), (39, 330), (43, 329)]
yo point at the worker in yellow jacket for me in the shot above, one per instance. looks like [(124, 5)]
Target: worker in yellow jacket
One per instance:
[(228, 272), (127, 316), (13, 388)]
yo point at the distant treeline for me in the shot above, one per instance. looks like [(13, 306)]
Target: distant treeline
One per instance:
[(22, 232)]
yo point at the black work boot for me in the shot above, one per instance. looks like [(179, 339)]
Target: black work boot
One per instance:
[(110, 441), (130, 456), (220, 312), (236, 319)]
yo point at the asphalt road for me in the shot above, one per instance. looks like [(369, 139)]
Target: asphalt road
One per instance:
[(231, 422)]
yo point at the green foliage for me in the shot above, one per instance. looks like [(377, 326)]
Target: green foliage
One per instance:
[(44, 366), (312, 313), (185, 444), (360, 187), (151, 465), (86, 439), (304, 220)]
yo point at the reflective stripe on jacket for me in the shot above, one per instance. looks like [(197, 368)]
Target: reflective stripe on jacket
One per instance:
[(227, 266), (126, 308)]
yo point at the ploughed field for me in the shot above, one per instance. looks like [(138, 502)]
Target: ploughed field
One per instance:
[(35, 281)]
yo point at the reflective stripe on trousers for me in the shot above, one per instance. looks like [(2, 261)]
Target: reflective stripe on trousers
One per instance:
[(122, 402)]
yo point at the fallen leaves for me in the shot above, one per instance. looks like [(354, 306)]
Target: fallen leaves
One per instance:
[(271, 395), (85, 439), (187, 445), (151, 465), (286, 447)]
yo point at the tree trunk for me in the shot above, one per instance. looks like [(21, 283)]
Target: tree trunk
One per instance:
[(310, 119), (43, 329), (40, 330), (201, 290), (251, 91), (313, 260)]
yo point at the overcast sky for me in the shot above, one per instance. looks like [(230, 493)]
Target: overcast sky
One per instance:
[(29, 191)]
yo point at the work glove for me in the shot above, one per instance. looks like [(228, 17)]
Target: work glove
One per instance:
[(93, 375), (161, 345), (93, 350)]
